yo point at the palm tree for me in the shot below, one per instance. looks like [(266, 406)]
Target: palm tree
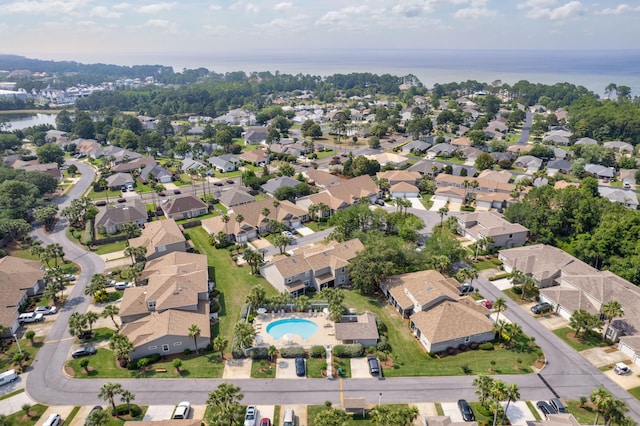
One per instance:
[(98, 418), (245, 333), (111, 311), (130, 229), (600, 398), (51, 292), (77, 324), (483, 383), (498, 392), (513, 394), (194, 333), (108, 392), (498, 327), (225, 403), (122, 346), (512, 330), (276, 204), (313, 211), (271, 351), (55, 251), (302, 303), (500, 305), (219, 344), (225, 220), (98, 283), (91, 318), (136, 253), (127, 396), (611, 310), (443, 211)]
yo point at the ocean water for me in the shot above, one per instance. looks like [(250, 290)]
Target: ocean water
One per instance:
[(594, 69)]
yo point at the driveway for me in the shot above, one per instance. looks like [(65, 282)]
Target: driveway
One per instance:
[(519, 413), (416, 203), (14, 404), (437, 205), (266, 411), (286, 368), (360, 368), (237, 369), (451, 409), (63, 410), (607, 356), (304, 231), (158, 412)]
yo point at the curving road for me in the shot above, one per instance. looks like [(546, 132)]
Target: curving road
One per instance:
[(567, 374)]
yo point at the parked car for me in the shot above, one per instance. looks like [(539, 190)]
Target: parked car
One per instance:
[(121, 285), (466, 411), (380, 202), (83, 351), (88, 422), (301, 367), (374, 365), (621, 368), (545, 408), (53, 420), (542, 308), (558, 405), (250, 416), (111, 283), (130, 188), (123, 188), (30, 317), (465, 289), (121, 200), (487, 304), (230, 182), (266, 421), (182, 411), (101, 203), (177, 191), (288, 234), (162, 194), (69, 277), (46, 310), (217, 183)]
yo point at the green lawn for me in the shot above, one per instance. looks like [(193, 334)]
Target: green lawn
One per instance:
[(119, 421), (103, 365), (71, 416), (233, 282), (410, 359), (533, 410), (344, 364), (21, 419), (100, 334), (263, 369), (584, 416), (325, 154), (6, 357), (113, 195), (220, 207), (205, 216), (313, 367), (110, 248), (354, 420), (426, 201), (635, 392), (584, 341)]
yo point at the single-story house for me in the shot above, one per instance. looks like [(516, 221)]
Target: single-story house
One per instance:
[(184, 207), (416, 147), (157, 173), (235, 196), (19, 279), (138, 163), (322, 179), (586, 141), (478, 225), (272, 185), (441, 149), (529, 162), (438, 316), (404, 190), (624, 197), (118, 180), (600, 171), (558, 166), (190, 165), (397, 176), (224, 163), (160, 238), (389, 159), (619, 146), (257, 157), (361, 329), (113, 217), (256, 135)]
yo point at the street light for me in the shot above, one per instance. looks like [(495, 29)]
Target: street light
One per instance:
[(379, 398), (17, 343)]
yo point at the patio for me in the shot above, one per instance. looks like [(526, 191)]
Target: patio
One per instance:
[(325, 335)]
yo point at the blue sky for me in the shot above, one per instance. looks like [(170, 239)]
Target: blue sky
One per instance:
[(108, 31)]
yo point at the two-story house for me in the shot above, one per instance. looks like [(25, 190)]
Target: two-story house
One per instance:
[(318, 266), (480, 225), (19, 279), (160, 237)]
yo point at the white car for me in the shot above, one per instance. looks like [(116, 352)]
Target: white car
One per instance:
[(182, 411), (122, 285), (288, 234), (69, 277), (30, 317), (621, 368), (250, 417), (111, 283), (46, 310)]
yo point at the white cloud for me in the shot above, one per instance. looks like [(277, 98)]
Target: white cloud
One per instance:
[(247, 7), (216, 29), (619, 10), (544, 9), (344, 16), (412, 8), (283, 5), (215, 7), (162, 24), (157, 7), (103, 12), (121, 6), (44, 7)]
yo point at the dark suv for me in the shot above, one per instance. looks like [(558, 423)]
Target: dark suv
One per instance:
[(465, 410), (374, 365), (301, 369), (542, 308)]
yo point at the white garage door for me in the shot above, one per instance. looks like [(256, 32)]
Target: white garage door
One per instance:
[(627, 350)]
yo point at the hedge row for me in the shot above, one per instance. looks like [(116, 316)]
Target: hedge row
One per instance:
[(354, 350), (135, 363), (318, 352), (292, 352)]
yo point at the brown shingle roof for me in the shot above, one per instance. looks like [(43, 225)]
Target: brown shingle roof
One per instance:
[(364, 328), (319, 256), (352, 190), (16, 277), (420, 287), (158, 233), (450, 320), (183, 203)]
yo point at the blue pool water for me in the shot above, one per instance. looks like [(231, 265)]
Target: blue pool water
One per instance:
[(301, 327)]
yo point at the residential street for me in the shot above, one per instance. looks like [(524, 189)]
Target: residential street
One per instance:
[(567, 373)]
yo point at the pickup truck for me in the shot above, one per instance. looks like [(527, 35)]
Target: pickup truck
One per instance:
[(30, 317)]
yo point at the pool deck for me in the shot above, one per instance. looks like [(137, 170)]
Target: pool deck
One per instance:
[(324, 336)]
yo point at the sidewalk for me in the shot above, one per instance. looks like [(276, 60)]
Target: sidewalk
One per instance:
[(14, 404)]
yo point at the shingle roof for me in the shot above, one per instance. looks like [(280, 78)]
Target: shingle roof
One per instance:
[(16, 277), (318, 256), (350, 191), (158, 233), (364, 328), (122, 213), (183, 203), (235, 196), (450, 320)]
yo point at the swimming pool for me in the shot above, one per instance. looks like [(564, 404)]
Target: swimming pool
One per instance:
[(301, 327)]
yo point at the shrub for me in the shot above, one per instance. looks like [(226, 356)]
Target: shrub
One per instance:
[(353, 350), (317, 352), (259, 353), (451, 351), (134, 364), (214, 307), (187, 352), (486, 346), (466, 369), (132, 409), (383, 344), (292, 352), (237, 353), (214, 293), (244, 311), (499, 276), (473, 345), (370, 349)]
